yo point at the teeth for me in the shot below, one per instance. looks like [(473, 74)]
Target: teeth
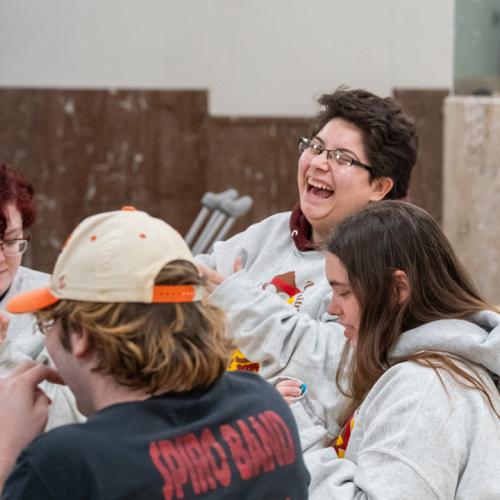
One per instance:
[(319, 185)]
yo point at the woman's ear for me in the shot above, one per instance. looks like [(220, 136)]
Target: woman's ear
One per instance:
[(380, 187), (402, 286)]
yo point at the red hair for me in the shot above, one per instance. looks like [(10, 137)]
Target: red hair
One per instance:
[(15, 188)]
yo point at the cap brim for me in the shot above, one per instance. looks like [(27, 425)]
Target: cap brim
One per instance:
[(31, 301)]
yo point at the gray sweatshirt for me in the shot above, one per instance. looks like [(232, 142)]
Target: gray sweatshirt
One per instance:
[(286, 333), (25, 342), (414, 438)]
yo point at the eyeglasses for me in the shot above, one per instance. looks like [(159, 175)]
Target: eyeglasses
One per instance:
[(15, 247), (342, 159), (45, 325)]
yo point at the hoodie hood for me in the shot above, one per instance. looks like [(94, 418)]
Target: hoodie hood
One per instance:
[(476, 340)]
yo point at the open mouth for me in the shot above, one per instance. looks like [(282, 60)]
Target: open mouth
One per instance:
[(319, 189)]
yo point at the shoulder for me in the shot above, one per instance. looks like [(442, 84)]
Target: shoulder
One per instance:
[(277, 222), (249, 380), (409, 386), (253, 387), (57, 448), (27, 279)]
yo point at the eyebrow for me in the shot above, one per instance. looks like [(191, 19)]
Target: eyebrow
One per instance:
[(343, 150), (13, 230), (337, 283)]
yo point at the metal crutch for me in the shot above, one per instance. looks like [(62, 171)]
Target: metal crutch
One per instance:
[(210, 202), (234, 209), (215, 222)]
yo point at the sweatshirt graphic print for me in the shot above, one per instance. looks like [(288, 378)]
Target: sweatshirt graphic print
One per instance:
[(284, 285)]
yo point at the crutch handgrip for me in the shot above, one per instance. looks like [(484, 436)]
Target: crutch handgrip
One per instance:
[(213, 200), (237, 208)]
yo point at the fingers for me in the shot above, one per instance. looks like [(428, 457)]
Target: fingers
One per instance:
[(38, 373), (34, 373), (214, 279), (290, 389), (4, 326), (238, 264), (41, 400), (211, 275), (23, 367)]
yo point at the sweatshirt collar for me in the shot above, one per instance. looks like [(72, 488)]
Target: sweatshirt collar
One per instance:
[(301, 230), (476, 340)]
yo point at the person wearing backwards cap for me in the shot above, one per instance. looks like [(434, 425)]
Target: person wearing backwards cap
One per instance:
[(145, 356)]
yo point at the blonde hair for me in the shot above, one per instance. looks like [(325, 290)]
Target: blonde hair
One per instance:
[(168, 347)]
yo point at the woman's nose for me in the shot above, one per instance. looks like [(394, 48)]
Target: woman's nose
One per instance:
[(320, 161), (333, 308)]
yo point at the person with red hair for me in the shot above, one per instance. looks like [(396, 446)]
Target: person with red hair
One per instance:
[(20, 338)]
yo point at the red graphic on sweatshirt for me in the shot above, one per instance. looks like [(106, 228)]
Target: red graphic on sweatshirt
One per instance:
[(255, 445), (342, 441), (285, 283), (285, 287)]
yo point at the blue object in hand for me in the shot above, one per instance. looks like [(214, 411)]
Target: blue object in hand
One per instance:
[(303, 388)]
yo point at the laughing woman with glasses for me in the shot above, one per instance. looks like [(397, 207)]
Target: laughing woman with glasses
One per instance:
[(362, 149), (20, 338)]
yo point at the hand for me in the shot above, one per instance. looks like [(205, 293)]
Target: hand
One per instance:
[(214, 279), (238, 264), (4, 325), (23, 411), (290, 389)]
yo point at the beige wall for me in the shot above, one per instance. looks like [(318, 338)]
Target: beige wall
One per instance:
[(256, 58), (471, 195)]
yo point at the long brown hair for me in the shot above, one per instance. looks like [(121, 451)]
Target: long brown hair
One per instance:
[(374, 243)]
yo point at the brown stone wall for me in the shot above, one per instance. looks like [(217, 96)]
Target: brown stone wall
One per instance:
[(426, 109), (88, 151), (258, 157)]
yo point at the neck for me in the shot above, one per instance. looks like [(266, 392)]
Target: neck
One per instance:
[(104, 391), (319, 237)]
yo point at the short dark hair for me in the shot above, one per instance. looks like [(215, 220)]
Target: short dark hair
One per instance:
[(389, 137), (15, 188)]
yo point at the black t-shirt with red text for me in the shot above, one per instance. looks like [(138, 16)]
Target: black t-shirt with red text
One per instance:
[(236, 440)]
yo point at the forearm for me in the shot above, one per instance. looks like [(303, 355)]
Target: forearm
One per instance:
[(271, 332), (282, 341)]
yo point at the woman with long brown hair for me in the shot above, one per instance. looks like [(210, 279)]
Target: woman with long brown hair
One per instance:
[(419, 370)]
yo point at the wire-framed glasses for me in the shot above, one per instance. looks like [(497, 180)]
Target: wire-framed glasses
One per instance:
[(14, 247), (339, 157)]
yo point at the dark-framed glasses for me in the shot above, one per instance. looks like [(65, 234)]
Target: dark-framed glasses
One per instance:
[(335, 156), (14, 247)]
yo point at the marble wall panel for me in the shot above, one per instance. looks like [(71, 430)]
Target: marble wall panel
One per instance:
[(471, 208), (88, 151)]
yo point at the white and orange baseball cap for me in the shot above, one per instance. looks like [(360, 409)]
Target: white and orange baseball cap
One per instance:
[(114, 257)]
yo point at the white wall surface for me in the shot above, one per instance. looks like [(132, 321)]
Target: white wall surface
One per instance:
[(256, 57)]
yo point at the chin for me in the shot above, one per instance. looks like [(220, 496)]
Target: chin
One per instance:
[(4, 286)]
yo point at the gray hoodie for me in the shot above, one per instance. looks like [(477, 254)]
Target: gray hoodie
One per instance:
[(284, 335), (413, 437), (24, 342)]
